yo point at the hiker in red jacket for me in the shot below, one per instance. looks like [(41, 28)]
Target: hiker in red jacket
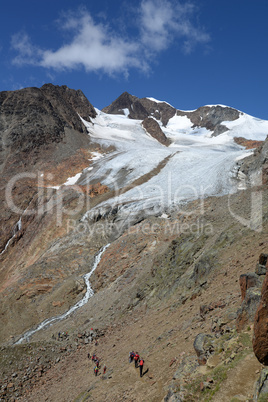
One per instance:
[(141, 366), (136, 359)]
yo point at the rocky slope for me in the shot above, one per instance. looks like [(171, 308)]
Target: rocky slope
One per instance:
[(40, 131), (162, 282), (162, 290)]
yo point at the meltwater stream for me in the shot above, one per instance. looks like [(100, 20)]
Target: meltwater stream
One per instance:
[(16, 229), (89, 293)]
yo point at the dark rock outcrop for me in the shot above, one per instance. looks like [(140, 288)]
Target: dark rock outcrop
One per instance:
[(130, 102), (260, 339), (153, 128), (159, 110), (263, 260)]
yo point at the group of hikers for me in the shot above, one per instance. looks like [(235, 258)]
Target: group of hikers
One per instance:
[(97, 367), (139, 361), (133, 356)]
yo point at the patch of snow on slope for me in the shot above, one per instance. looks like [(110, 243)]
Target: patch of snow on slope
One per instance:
[(248, 127), (158, 101), (126, 111), (95, 156), (72, 180), (247, 153), (218, 104), (179, 124)]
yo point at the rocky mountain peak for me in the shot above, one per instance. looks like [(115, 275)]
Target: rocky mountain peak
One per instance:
[(209, 117), (32, 119), (72, 98), (129, 105)]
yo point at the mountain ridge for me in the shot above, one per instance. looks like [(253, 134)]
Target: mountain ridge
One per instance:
[(209, 117)]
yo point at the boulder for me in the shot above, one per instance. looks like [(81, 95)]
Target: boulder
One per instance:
[(260, 337), (247, 311), (261, 386), (247, 281), (187, 366), (263, 259), (260, 269), (172, 397), (203, 346)]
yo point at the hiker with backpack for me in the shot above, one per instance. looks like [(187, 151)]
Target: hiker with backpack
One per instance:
[(131, 356), (96, 370), (141, 366), (136, 359)]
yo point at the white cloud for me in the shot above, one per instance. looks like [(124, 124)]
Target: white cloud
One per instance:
[(163, 21), (95, 47), (27, 52)]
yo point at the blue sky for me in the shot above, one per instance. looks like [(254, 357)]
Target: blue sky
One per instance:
[(188, 53)]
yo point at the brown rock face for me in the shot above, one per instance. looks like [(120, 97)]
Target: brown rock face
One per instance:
[(256, 163), (153, 128), (249, 144), (260, 338), (247, 281)]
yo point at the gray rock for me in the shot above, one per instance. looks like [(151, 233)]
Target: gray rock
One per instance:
[(246, 313), (260, 269), (261, 386), (172, 397), (187, 366), (203, 345)]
